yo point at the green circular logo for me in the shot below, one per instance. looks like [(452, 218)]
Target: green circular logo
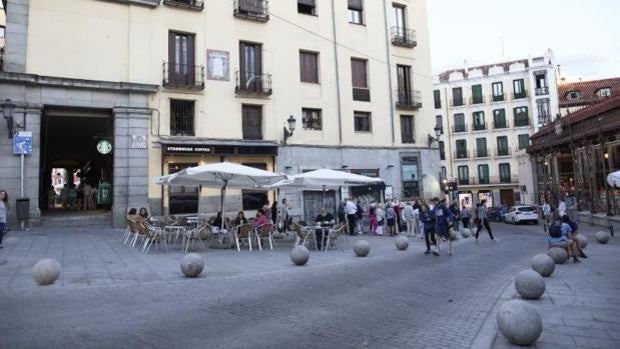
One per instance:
[(104, 147)]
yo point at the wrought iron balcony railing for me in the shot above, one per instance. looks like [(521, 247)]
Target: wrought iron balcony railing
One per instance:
[(457, 102), (190, 4), (403, 37), (257, 10), (461, 154), (476, 100), (542, 91), (183, 76), (249, 83), (480, 127), (519, 95), (497, 98), (521, 121), (459, 128), (482, 153), (408, 99), (502, 151)]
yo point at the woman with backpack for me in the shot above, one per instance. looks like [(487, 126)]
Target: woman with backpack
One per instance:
[(559, 237)]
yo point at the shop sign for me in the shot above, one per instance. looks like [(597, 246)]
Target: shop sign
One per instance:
[(188, 149), (138, 142), (22, 143)]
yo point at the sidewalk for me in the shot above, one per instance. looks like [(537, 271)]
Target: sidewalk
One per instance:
[(581, 304)]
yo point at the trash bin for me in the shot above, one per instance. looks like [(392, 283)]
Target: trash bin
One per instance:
[(22, 208)]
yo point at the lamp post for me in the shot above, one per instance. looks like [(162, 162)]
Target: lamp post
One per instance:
[(8, 108), (291, 128), (431, 139)]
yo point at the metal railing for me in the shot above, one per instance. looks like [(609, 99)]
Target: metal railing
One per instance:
[(501, 124), (544, 118), (503, 151), (497, 98), (183, 76), (459, 128), (519, 95), (479, 127), (361, 94), (521, 121), (542, 91), (463, 181), (504, 179), (192, 4), (403, 37), (482, 153), (476, 100), (457, 102), (408, 99), (461, 154), (181, 118), (251, 83), (252, 9), (489, 180)]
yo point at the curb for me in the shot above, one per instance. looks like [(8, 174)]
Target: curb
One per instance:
[(488, 331)]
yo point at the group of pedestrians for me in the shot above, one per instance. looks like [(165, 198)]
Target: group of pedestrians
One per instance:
[(74, 198)]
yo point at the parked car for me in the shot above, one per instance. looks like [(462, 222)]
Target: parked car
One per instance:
[(518, 214)]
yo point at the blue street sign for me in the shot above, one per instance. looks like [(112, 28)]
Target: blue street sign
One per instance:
[(22, 143)]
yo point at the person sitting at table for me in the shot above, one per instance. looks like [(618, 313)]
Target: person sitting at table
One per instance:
[(261, 218), (240, 219), (326, 220), (216, 225), (144, 213)]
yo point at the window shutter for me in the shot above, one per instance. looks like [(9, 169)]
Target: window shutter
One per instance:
[(306, 2), (308, 67), (358, 71), (356, 5)]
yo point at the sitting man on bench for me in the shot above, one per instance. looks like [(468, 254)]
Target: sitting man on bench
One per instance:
[(573, 234), (559, 237)]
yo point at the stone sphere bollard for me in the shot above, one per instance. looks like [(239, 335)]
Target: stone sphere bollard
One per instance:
[(519, 322), (300, 255), (529, 284), (558, 254), (465, 233), (46, 271), (192, 265), (602, 237), (543, 264), (452, 233), (402, 242), (583, 241), (361, 248)]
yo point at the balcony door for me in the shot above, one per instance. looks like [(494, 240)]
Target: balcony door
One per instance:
[(403, 73), (463, 175), (399, 20), (181, 69), (251, 63), (483, 174)]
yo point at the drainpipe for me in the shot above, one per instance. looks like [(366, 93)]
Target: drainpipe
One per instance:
[(337, 73), (389, 68)]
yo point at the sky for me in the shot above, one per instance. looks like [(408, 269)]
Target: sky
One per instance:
[(583, 35)]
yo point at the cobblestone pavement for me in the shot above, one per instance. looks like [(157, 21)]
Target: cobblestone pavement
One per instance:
[(112, 296)]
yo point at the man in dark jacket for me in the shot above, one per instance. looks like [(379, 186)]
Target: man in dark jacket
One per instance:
[(443, 216)]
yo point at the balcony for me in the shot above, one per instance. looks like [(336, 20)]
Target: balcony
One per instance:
[(459, 128), (519, 95), (540, 91), (463, 181), (183, 76), (256, 10), (461, 154), (361, 94), (521, 121), (505, 179), (497, 98), (496, 180), (500, 124), (457, 102), (544, 118), (480, 127), (482, 153), (250, 84), (188, 4), (403, 37), (503, 151), (476, 100), (407, 99)]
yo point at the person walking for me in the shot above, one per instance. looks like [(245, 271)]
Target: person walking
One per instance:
[(372, 216), (350, 209), (72, 197), (359, 218), (390, 215), (282, 219), (87, 192), (4, 208), (399, 222), (482, 220), (546, 211), (51, 198), (456, 214), (465, 216), (428, 220), (64, 192), (443, 216)]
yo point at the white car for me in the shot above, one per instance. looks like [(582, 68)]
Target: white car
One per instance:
[(518, 214)]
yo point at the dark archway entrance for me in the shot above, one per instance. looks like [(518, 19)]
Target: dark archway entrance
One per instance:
[(76, 161)]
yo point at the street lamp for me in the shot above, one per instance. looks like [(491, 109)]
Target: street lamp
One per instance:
[(7, 110), (291, 127), (431, 139)]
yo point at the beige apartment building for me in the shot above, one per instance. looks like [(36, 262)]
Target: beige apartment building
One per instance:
[(125, 91)]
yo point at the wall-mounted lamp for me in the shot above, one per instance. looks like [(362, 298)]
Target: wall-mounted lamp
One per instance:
[(288, 167), (8, 108), (431, 139), (344, 166), (390, 166), (291, 127), (606, 155)]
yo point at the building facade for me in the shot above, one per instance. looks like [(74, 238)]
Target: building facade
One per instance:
[(575, 96), (175, 83), (487, 114)]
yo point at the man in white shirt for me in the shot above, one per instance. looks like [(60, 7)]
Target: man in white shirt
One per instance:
[(351, 209), (408, 216)]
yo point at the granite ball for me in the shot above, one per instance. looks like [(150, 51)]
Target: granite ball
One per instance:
[(519, 322), (192, 265), (300, 255), (529, 284), (46, 271), (543, 264), (465, 233), (361, 248), (583, 241), (558, 254), (402, 243), (452, 234), (602, 236)]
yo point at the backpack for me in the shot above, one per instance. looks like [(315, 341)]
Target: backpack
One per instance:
[(555, 230)]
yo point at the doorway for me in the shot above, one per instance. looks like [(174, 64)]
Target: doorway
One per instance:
[(76, 161), (507, 197)]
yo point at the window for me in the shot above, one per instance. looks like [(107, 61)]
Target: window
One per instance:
[(2, 29), (403, 80), (252, 121), (604, 92), (457, 96), (504, 173), (476, 94), (311, 119), (498, 91), (540, 80), (483, 174), (251, 66), (410, 176), (499, 118), (574, 95), (181, 69), (479, 121), (309, 67), (463, 173), (399, 17), (254, 199), (307, 7), (181, 118), (459, 123), (439, 122), (502, 146), (356, 11), (543, 110), (444, 172), (481, 148), (524, 141), (182, 199), (519, 88), (407, 128), (442, 150), (437, 96), (521, 117), (362, 121), (461, 149), (360, 80)]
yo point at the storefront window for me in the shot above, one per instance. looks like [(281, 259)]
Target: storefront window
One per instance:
[(182, 199), (254, 199), (410, 177)]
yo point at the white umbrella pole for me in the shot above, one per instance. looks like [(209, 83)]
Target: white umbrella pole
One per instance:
[(222, 195)]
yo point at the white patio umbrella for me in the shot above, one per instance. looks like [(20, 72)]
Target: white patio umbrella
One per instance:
[(614, 179), (224, 175)]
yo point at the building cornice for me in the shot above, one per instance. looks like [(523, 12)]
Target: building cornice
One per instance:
[(52, 81), (147, 3)]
